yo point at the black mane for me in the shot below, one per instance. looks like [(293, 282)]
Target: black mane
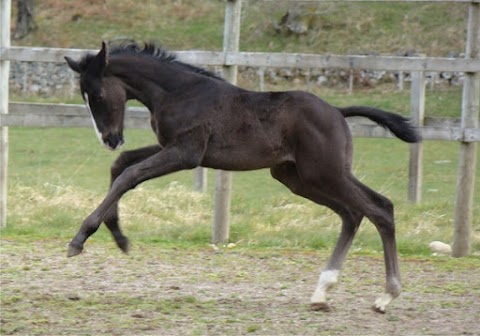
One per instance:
[(157, 52)]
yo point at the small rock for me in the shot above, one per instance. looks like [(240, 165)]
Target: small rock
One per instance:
[(322, 80), (440, 247)]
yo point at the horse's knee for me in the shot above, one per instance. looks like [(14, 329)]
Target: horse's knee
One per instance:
[(383, 215), (385, 224), (119, 165)]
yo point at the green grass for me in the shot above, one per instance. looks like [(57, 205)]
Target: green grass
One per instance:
[(358, 28), (58, 176), (83, 24), (434, 29)]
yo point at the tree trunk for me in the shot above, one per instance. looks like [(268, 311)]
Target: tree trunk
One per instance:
[(25, 19)]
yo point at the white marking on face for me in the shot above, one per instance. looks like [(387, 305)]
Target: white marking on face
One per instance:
[(326, 280), (97, 132)]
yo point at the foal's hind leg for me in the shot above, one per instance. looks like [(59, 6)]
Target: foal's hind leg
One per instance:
[(382, 217), (125, 160), (378, 209), (288, 175), (329, 276)]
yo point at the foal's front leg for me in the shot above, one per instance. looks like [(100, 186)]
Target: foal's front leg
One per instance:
[(125, 160), (167, 161)]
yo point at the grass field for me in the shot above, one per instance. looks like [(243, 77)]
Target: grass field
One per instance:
[(58, 176), (388, 28)]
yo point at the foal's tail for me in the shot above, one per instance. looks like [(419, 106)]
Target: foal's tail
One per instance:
[(398, 125)]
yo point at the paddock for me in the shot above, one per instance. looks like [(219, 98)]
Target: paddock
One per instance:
[(158, 291)]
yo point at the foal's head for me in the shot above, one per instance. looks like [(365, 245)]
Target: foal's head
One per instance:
[(104, 96)]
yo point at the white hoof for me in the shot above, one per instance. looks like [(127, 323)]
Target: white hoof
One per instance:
[(382, 302), (325, 282)]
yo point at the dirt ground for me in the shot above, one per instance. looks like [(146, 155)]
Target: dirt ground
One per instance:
[(158, 291)]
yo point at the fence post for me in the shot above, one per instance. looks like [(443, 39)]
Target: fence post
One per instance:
[(223, 183), (350, 81), (468, 150), (417, 107), (5, 7), (261, 78), (200, 179), (400, 81)]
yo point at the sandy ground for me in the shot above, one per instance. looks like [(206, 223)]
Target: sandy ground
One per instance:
[(158, 291)]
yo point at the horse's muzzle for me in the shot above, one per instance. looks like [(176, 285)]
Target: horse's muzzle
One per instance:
[(113, 141)]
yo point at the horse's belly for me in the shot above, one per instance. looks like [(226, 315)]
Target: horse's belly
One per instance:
[(249, 157)]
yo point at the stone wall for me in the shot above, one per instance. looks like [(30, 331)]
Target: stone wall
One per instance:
[(42, 79), (47, 79), (346, 78)]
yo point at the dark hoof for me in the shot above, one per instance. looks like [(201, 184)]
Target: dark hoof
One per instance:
[(74, 250), (124, 245), (378, 309), (320, 306)]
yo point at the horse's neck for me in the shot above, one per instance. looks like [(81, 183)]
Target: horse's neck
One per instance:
[(146, 92), (144, 86), (149, 82)]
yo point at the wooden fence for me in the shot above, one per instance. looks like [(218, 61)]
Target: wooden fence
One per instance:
[(467, 133)]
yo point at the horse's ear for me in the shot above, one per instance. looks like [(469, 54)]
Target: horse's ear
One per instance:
[(100, 61), (75, 66), (104, 52)]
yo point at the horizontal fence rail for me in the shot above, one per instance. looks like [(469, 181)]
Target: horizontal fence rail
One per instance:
[(262, 59), (71, 115), (395, 63)]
